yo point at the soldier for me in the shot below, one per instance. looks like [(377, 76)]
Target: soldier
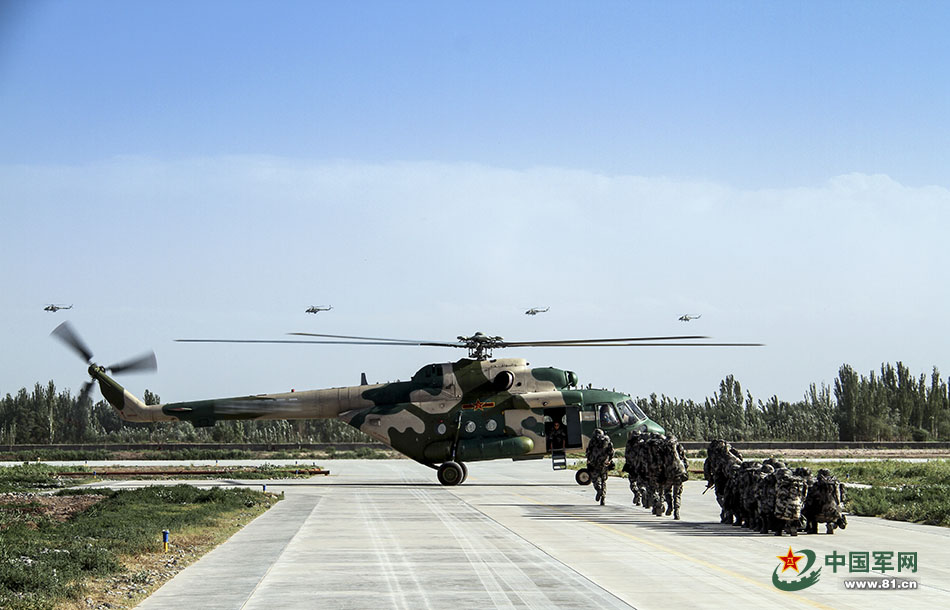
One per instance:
[(600, 459), (765, 497), (654, 473), (789, 497), (732, 500), (634, 466), (747, 504), (676, 472), (824, 503), (719, 459), (558, 436)]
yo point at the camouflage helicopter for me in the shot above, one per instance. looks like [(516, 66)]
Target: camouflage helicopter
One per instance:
[(447, 414)]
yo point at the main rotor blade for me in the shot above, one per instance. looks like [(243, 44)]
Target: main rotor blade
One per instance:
[(317, 341), (65, 333), (647, 344), (145, 362), (562, 342), (408, 341)]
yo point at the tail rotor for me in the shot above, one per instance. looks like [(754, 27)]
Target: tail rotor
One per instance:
[(68, 335)]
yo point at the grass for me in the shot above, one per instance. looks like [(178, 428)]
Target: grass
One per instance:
[(40, 477), (917, 492), (926, 504), (884, 472), (45, 562), (60, 455), (29, 477)]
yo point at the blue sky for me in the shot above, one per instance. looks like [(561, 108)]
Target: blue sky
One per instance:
[(432, 169)]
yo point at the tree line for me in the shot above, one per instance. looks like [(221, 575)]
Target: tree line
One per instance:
[(887, 405), (48, 416)]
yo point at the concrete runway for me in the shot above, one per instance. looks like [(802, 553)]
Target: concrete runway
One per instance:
[(385, 534)]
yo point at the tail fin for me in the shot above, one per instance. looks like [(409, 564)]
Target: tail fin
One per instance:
[(129, 406)]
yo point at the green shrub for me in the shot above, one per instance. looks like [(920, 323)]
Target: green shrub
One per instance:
[(927, 504)]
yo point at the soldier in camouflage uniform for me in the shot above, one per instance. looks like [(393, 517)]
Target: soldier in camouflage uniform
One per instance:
[(600, 459), (747, 501), (682, 476), (655, 473), (758, 477), (825, 503), (720, 456), (652, 493), (635, 466), (765, 497), (732, 498), (790, 492), (675, 468)]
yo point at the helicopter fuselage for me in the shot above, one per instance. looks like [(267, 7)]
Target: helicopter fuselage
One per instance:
[(463, 411)]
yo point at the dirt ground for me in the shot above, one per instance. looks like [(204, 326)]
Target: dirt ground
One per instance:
[(58, 508)]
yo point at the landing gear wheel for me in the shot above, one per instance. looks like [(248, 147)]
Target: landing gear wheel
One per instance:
[(464, 472), (582, 477), (451, 473)]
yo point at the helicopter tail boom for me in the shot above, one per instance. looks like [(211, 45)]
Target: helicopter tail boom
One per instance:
[(130, 407)]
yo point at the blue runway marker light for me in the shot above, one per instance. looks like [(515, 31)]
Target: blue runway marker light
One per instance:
[(165, 539)]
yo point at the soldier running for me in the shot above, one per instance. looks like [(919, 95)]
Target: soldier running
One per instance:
[(635, 466), (600, 459)]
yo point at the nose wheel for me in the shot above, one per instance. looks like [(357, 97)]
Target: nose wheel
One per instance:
[(452, 473), (582, 477)]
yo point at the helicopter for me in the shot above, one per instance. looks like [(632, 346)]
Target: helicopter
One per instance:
[(687, 317), (319, 308), (536, 310), (448, 414), (54, 308)]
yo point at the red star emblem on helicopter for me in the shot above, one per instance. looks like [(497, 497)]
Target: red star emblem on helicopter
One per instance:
[(478, 405)]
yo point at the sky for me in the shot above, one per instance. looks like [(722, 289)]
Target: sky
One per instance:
[(430, 169)]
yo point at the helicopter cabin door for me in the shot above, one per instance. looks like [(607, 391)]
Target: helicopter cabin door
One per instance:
[(562, 428), (573, 416)]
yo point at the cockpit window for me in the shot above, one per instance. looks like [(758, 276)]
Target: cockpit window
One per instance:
[(637, 410), (625, 413), (608, 416)]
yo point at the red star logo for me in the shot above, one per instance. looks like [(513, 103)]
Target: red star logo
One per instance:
[(790, 560), (479, 405)]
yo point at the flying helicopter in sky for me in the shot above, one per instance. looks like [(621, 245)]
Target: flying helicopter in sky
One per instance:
[(54, 308), (536, 310), (687, 317), (446, 415), (319, 308)]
